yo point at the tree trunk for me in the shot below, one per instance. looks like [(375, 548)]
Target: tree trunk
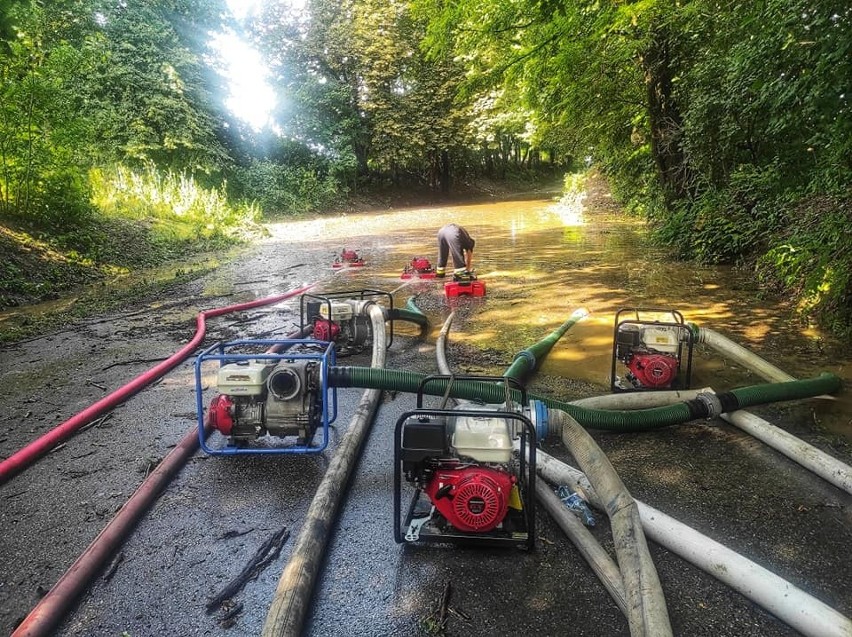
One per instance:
[(664, 116), (446, 173)]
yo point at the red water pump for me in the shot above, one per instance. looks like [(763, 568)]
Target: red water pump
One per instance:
[(652, 369), (220, 415), (652, 345), (470, 483), (455, 289), (348, 259), (418, 268), (342, 318)]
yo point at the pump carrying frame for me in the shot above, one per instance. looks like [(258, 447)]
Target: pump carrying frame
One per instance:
[(323, 352), (524, 538), (307, 300), (686, 341)]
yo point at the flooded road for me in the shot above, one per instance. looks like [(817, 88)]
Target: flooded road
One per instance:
[(541, 261)]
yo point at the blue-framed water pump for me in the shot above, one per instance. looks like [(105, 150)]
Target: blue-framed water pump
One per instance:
[(271, 401)]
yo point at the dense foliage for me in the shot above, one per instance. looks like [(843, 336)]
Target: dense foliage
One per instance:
[(727, 125)]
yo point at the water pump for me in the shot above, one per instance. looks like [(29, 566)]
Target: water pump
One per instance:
[(651, 345), (469, 484), (341, 318), (418, 268), (274, 394), (348, 259)]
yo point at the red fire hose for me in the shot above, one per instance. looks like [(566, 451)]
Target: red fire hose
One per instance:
[(51, 609), (29, 454)]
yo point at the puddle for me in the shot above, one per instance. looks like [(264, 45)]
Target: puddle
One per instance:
[(118, 286)]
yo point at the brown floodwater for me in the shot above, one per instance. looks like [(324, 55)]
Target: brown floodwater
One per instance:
[(541, 260)]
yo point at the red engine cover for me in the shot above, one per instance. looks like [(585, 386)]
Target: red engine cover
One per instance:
[(474, 499), (420, 267), (455, 289), (348, 258), (220, 414), (653, 370), (421, 264), (325, 330)]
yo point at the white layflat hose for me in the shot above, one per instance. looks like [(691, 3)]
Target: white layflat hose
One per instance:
[(292, 598), (826, 467), (741, 355), (788, 603), (822, 464), (441, 346), (638, 400), (647, 614), (591, 550)]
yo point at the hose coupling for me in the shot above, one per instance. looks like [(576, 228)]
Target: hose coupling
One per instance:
[(361, 307), (525, 353), (698, 335), (539, 417), (711, 403)]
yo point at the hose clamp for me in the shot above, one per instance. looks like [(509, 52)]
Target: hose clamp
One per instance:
[(711, 403)]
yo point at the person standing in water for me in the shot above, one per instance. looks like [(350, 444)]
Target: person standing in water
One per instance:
[(456, 241)]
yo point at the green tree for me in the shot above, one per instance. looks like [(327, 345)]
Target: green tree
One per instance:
[(151, 94), (44, 136), (354, 83)]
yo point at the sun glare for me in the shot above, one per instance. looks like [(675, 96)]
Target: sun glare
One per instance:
[(250, 97)]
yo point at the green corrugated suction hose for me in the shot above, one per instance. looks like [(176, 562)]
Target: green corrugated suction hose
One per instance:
[(527, 360), (639, 420), (410, 313)]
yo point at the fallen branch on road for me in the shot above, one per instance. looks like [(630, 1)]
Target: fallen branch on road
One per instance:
[(265, 555)]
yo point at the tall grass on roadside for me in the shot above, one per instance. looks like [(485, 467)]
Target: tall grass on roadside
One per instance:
[(176, 206)]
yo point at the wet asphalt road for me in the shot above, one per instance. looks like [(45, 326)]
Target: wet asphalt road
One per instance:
[(213, 517)]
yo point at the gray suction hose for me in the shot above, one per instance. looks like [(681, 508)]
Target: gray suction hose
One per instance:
[(646, 605), (292, 598)]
